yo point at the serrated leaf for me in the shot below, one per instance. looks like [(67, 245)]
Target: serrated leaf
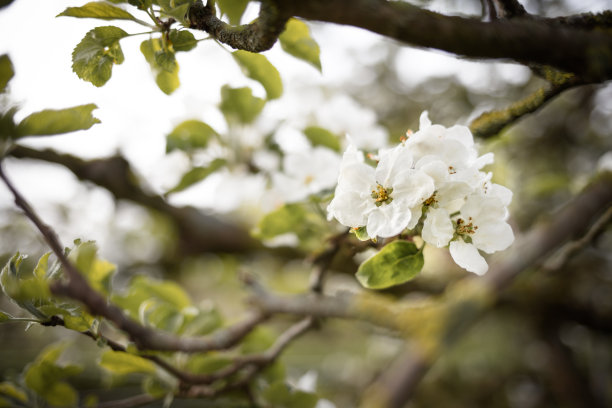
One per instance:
[(166, 76), (197, 174), (233, 9), (396, 263), (296, 41), (257, 67), (182, 40), (98, 9), (93, 58), (124, 363), (6, 72), (53, 122), (319, 136), (239, 104), (189, 135)]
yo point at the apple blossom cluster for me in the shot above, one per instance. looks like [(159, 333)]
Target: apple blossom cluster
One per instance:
[(432, 179)]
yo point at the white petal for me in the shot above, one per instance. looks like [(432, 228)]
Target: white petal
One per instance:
[(438, 227), (492, 237), (358, 177), (387, 220), (415, 216), (392, 161), (413, 189), (467, 256), (462, 134), (349, 208), (424, 121)]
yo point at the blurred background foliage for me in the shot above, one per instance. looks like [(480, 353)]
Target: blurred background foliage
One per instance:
[(546, 343)]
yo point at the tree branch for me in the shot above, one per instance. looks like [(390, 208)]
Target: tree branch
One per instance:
[(491, 123), (257, 36), (198, 232), (524, 40)]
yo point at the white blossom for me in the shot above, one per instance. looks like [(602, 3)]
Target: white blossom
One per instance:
[(382, 198), (481, 225), (437, 172)]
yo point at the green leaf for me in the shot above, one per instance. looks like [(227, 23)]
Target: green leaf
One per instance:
[(175, 8), (46, 378), (233, 9), (161, 315), (182, 40), (361, 233), (197, 174), (296, 218), (257, 67), (93, 58), (166, 76), (10, 390), (207, 363), (141, 4), (396, 263), (4, 317), (122, 363), (296, 40), (6, 72), (239, 104), (98, 9), (319, 136), (53, 122), (189, 135), (142, 289), (98, 272), (40, 271), (201, 323)]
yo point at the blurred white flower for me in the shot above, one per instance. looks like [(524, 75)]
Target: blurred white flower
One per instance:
[(308, 383), (605, 162), (306, 172), (380, 199)]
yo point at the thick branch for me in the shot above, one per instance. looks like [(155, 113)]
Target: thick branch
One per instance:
[(257, 36), (198, 232), (491, 123), (525, 40)]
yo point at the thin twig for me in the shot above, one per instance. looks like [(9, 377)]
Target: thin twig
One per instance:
[(559, 259)]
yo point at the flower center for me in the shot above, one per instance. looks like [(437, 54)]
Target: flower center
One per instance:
[(466, 227), (381, 195), (431, 200)]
